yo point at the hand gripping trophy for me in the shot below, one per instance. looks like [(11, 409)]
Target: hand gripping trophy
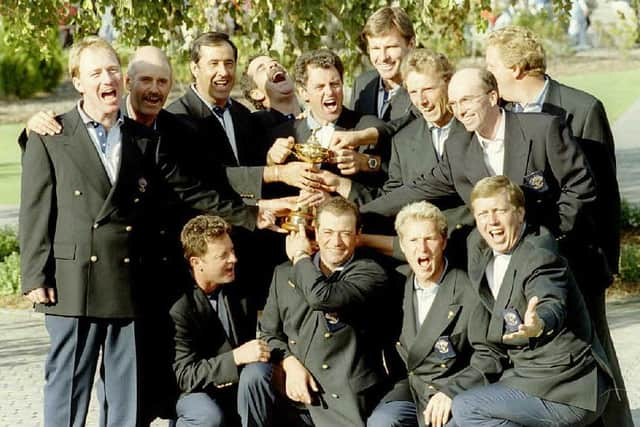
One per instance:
[(312, 152)]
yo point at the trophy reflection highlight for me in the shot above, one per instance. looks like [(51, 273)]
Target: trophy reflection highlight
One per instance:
[(314, 153)]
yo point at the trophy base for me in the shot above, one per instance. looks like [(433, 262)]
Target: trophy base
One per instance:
[(299, 217)]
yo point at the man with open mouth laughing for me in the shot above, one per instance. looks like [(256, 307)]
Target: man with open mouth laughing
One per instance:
[(552, 368), (359, 143), (439, 306), (268, 86)]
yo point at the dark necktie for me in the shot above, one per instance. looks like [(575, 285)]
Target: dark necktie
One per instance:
[(220, 307), (386, 106)]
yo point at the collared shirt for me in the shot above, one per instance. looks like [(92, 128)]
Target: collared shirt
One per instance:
[(493, 149), (384, 97), (108, 144), (423, 297), (439, 135), (536, 105), (497, 267), (324, 133), (226, 121)]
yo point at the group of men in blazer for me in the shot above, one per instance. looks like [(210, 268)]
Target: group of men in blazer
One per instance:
[(108, 186)]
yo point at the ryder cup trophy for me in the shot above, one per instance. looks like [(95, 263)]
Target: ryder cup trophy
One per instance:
[(311, 152)]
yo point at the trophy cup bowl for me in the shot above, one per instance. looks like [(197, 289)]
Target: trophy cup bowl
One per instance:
[(314, 153), (310, 152)]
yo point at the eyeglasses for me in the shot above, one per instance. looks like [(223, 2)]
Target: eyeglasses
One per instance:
[(466, 101)]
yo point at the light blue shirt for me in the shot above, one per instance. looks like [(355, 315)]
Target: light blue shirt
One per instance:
[(536, 105), (108, 144)]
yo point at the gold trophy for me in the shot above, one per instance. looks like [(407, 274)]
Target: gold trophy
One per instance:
[(311, 152)]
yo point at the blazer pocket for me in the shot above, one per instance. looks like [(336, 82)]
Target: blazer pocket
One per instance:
[(64, 251)]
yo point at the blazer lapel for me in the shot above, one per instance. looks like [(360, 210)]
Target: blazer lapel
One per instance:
[(241, 132), (441, 314), (84, 155), (477, 264), (408, 334), (496, 326), (475, 168), (130, 173), (369, 97), (302, 131), (516, 149)]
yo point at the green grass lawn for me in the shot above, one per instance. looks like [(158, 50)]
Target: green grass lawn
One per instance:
[(9, 164), (616, 89)]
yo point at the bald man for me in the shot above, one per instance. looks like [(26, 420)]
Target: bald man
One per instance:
[(534, 150)]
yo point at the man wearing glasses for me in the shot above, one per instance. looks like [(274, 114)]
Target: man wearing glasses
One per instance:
[(534, 150)]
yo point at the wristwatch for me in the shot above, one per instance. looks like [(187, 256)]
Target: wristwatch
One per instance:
[(372, 162)]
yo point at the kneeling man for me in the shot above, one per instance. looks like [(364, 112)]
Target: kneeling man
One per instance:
[(216, 367), (555, 373), (438, 307), (323, 321)]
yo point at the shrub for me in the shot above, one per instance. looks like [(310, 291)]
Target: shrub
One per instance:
[(8, 242), (630, 263), (630, 216), (26, 72), (10, 274)]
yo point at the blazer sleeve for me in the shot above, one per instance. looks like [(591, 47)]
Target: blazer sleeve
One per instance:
[(362, 283), (549, 281), (194, 373), (201, 197), (271, 326), (37, 214), (485, 363), (434, 185), (570, 167)]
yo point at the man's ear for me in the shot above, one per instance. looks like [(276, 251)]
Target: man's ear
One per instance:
[(194, 262), (257, 95), (77, 84), (127, 82), (518, 73), (194, 68), (412, 43)]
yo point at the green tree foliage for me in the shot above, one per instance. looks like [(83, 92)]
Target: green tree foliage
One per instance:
[(286, 27)]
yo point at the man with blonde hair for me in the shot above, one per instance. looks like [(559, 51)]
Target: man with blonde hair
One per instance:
[(553, 370), (516, 56), (418, 147), (85, 194), (388, 36), (439, 305)]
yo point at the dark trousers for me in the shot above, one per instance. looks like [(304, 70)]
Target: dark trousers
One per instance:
[(253, 402), (498, 405), (71, 365)]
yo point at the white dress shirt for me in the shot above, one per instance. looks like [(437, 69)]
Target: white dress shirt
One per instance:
[(423, 297), (493, 149)]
